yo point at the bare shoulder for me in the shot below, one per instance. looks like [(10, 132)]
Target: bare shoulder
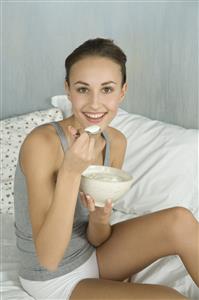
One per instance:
[(116, 137), (40, 147), (118, 143)]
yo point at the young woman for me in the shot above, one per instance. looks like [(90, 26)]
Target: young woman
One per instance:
[(67, 248)]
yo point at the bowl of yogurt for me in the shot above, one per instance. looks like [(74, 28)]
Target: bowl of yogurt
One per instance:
[(103, 183)]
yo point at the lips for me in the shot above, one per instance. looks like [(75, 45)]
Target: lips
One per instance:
[(94, 117)]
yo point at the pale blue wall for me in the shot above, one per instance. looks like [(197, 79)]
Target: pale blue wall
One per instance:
[(159, 38)]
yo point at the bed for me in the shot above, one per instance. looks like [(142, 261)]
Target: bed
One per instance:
[(163, 161)]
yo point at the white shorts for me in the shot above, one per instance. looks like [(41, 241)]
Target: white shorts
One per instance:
[(60, 288)]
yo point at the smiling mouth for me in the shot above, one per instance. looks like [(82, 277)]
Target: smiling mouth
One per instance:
[(94, 117)]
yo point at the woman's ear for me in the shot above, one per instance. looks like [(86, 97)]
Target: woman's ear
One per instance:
[(67, 89), (123, 91)]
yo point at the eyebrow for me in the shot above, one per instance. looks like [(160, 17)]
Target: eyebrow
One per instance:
[(104, 83)]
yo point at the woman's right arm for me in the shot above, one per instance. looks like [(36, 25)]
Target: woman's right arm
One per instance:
[(52, 205)]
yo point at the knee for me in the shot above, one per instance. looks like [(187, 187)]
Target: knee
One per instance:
[(181, 213), (182, 222), (182, 218)]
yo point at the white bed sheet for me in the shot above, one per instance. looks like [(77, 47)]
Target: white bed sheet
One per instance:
[(167, 271), (10, 285)]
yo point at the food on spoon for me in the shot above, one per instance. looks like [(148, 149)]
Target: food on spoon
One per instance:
[(94, 129)]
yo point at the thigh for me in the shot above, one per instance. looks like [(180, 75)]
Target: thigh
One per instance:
[(134, 244), (101, 289)]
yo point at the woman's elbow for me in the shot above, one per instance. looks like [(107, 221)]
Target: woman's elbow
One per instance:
[(49, 258), (48, 264)]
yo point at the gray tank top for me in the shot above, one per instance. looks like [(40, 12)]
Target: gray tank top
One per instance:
[(78, 250)]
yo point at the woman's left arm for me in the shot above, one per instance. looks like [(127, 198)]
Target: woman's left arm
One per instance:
[(99, 228)]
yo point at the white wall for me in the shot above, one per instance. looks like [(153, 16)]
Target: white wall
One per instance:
[(159, 38)]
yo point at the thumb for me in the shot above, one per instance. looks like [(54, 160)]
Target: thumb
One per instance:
[(73, 133)]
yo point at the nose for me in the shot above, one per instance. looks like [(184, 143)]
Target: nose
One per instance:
[(94, 100)]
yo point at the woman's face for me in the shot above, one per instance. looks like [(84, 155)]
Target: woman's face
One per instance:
[(95, 91)]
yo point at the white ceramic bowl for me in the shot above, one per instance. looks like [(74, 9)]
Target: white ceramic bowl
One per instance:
[(103, 183)]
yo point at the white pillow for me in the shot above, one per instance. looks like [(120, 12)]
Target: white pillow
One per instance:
[(162, 159), (62, 103), (13, 131)]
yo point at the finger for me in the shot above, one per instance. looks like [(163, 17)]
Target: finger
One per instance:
[(80, 145), (80, 130), (108, 206), (91, 204), (75, 133), (83, 140), (72, 133), (83, 199)]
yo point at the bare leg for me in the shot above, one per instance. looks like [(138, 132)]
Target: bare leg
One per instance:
[(133, 245), (187, 244), (100, 289), (136, 243)]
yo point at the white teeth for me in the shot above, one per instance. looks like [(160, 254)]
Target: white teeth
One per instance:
[(94, 116)]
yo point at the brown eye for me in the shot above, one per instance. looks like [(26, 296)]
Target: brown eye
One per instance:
[(82, 90), (107, 90)]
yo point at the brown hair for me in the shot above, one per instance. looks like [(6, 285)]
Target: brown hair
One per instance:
[(97, 47)]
